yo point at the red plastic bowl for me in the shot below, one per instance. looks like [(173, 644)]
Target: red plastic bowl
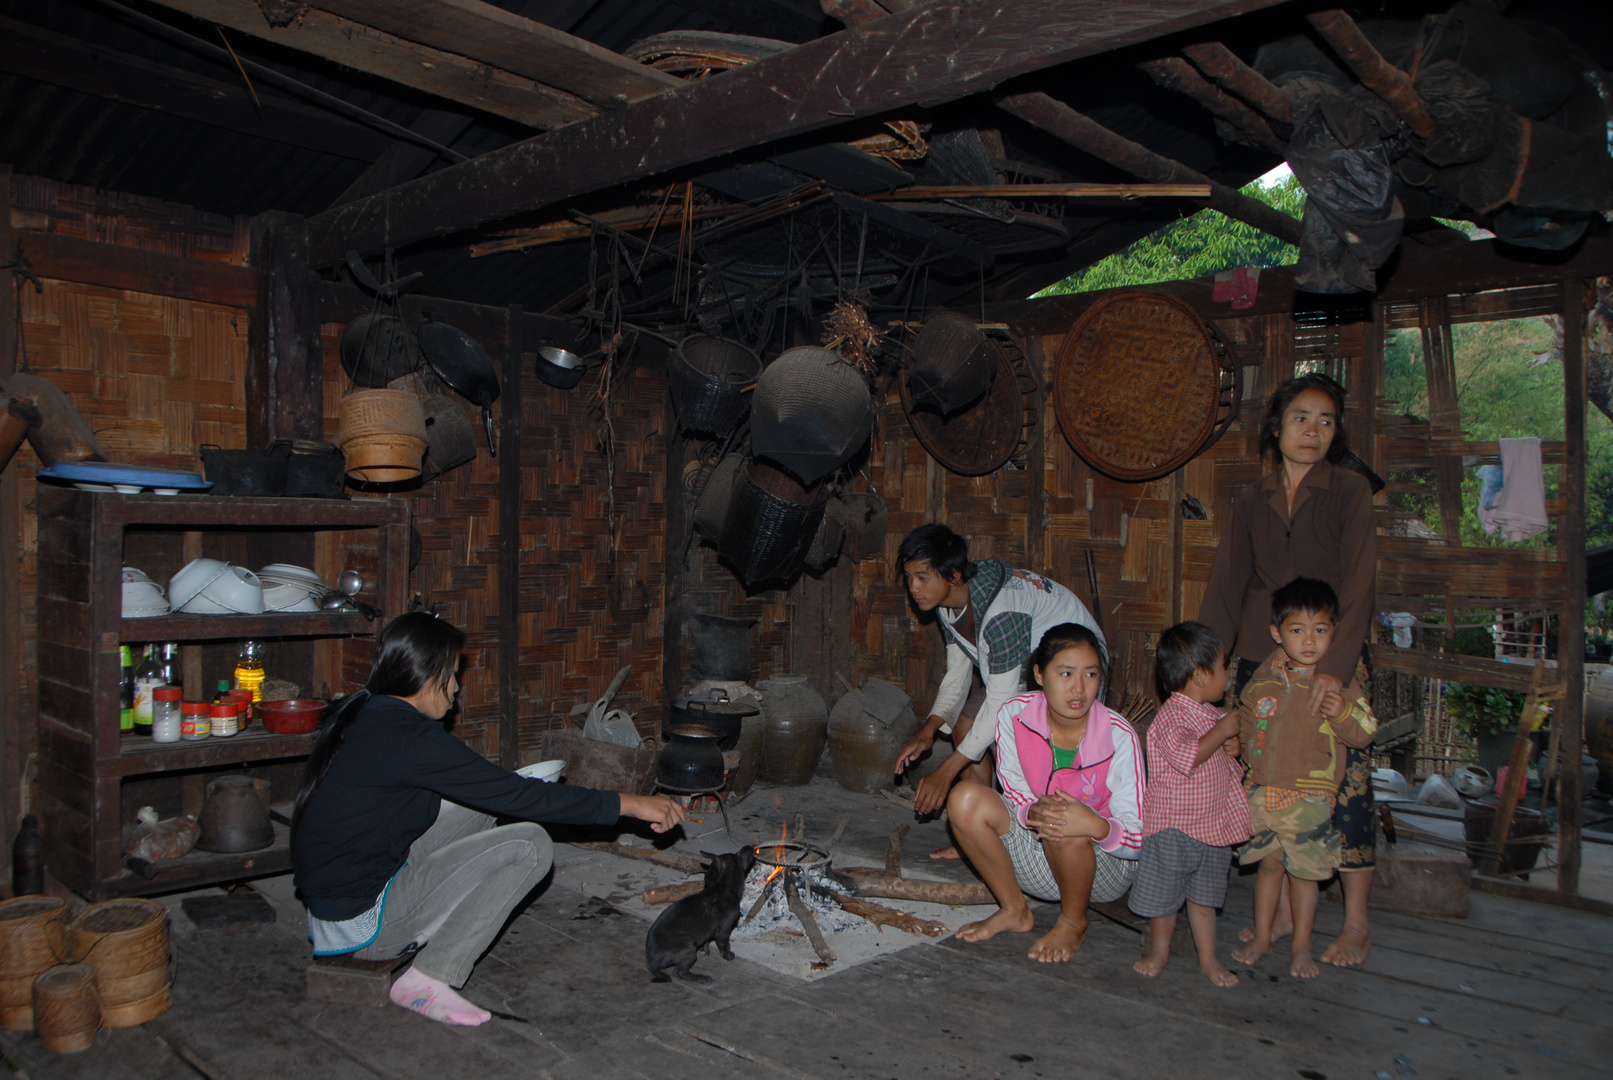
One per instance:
[(296, 716)]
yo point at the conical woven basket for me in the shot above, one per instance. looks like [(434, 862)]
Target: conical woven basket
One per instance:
[(383, 435)]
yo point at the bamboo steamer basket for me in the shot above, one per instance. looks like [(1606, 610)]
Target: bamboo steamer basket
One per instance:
[(126, 943), (383, 435), (69, 1008), (33, 937)]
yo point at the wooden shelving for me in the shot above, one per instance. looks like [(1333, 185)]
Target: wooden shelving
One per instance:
[(84, 761)]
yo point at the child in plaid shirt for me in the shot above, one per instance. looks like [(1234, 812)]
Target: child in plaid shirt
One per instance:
[(1194, 809)]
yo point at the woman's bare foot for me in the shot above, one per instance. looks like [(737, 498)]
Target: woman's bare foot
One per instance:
[(1301, 966), (1350, 948), (1217, 974), (1253, 950), (948, 852), (1060, 944), (435, 1000), (1017, 922), (1153, 963)]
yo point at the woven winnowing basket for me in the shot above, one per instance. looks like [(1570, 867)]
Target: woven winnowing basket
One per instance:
[(953, 363), (770, 523), (707, 377), (1142, 385), (865, 519), (812, 412), (711, 508)]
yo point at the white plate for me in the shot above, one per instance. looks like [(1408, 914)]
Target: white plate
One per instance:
[(289, 572), (543, 770)]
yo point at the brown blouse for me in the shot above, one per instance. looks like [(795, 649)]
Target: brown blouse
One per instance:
[(1330, 536)]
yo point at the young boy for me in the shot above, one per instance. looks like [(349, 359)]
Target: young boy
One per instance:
[(1194, 810), (1296, 765)]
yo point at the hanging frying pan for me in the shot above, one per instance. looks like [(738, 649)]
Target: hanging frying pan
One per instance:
[(464, 365)]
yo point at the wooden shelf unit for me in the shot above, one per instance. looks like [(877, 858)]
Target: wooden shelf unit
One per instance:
[(83, 757)]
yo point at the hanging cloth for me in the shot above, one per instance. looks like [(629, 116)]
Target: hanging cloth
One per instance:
[(1519, 511)]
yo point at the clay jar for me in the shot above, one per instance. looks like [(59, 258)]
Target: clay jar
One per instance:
[(234, 818), (795, 731), (866, 730)]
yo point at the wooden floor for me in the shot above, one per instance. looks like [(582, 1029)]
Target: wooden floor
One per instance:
[(1519, 989)]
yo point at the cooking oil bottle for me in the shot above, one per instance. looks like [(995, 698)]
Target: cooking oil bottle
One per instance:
[(249, 669)]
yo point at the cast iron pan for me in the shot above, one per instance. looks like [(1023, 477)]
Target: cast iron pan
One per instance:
[(464, 365)]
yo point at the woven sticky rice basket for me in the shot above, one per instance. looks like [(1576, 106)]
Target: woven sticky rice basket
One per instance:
[(383, 435), (33, 933), (126, 942)]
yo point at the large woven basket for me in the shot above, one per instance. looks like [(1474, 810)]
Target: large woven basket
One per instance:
[(708, 378), (33, 936), (383, 435), (771, 521), (953, 363), (812, 412), (711, 508), (1143, 384), (126, 942)]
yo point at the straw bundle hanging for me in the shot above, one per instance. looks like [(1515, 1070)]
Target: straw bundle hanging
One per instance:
[(33, 931), (126, 942), (68, 1008)]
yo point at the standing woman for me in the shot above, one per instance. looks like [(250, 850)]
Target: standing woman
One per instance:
[(1308, 518), (392, 840)]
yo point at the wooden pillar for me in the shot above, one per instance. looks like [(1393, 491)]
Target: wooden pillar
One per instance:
[(509, 548), (1036, 546), (677, 559), (1570, 711), (14, 713), (285, 361)]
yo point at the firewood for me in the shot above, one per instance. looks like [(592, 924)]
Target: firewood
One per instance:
[(659, 858), (666, 894), (893, 852), (876, 883), (880, 915), (808, 923)]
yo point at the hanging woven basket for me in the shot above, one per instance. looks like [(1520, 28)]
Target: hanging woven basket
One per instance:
[(708, 377), (771, 521), (812, 412), (953, 364), (383, 435), (711, 508)]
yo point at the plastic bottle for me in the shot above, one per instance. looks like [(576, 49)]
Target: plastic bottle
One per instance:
[(249, 670), (221, 688), (165, 718), (126, 691), (171, 673), (27, 865), (146, 679)]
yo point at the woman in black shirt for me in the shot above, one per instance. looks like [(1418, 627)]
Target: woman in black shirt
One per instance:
[(393, 844)]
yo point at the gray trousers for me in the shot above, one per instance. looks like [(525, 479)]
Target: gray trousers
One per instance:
[(463, 879)]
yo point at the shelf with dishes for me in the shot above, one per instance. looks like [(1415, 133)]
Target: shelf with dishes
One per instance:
[(278, 624)]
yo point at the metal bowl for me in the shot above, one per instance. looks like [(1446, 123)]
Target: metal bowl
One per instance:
[(560, 368)]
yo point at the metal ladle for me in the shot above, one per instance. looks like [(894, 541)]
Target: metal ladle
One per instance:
[(349, 583)]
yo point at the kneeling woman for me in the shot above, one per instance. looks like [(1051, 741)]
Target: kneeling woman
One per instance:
[(392, 840), (1068, 824)]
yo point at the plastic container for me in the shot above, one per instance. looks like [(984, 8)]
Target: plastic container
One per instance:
[(249, 669), (225, 718), (295, 716), (165, 714), (195, 721)]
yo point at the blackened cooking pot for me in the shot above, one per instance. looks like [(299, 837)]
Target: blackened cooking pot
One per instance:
[(691, 761), (725, 718)]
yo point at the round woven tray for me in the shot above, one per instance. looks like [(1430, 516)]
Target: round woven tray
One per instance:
[(981, 438), (1143, 384)]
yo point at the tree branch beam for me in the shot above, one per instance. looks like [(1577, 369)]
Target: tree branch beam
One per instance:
[(1174, 73), (1222, 64), (1379, 75), (927, 56), (1091, 137)]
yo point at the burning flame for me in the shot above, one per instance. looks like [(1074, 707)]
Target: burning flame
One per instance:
[(784, 835)]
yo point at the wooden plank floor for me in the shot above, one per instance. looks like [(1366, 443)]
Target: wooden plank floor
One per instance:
[(1517, 990)]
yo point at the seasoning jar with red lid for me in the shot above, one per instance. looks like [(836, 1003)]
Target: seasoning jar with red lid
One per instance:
[(226, 718), (195, 720)]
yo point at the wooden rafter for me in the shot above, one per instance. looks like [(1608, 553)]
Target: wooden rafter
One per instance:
[(927, 56), (509, 42), (442, 74)]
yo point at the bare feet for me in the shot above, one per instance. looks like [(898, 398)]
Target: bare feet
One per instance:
[(1301, 966), (435, 1000), (1279, 930), (1252, 951), (948, 852), (1018, 922), (1217, 974), (1153, 963), (1060, 944), (1350, 948)]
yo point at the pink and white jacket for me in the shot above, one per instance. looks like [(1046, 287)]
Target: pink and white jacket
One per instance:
[(1107, 774)]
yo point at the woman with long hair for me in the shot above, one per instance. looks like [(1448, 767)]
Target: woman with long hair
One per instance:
[(392, 840), (1312, 518)]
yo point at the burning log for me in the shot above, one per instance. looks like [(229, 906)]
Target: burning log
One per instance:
[(808, 923), (880, 915), (666, 894)]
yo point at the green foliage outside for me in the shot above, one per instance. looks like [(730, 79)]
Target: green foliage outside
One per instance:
[(1483, 710), (1195, 246)]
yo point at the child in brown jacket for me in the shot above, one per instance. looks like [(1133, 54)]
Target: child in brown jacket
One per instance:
[(1296, 764)]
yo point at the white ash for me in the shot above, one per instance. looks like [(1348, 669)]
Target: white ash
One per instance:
[(776, 913)]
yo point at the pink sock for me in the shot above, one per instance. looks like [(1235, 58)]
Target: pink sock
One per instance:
[(435, 1000)]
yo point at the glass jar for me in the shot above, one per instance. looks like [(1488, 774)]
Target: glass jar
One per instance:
[(225, 718), (165, 714), (194, 720)]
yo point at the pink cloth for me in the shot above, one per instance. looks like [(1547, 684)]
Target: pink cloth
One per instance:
[(1519, 511)]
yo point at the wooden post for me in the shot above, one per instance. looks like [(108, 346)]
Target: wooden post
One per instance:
[(14, 713), (1036, 547), (677, 559), (285, 360), (1569, 717), (509, 548), (1518, 763)]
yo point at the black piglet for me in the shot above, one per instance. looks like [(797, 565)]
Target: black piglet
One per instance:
[(683, 929)]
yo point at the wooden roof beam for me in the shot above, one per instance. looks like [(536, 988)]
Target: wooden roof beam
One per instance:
[(1223, 65), (442, 74), (1174, 73), (926, 56), (512, 43), (1380, 76), (1089, 136)]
